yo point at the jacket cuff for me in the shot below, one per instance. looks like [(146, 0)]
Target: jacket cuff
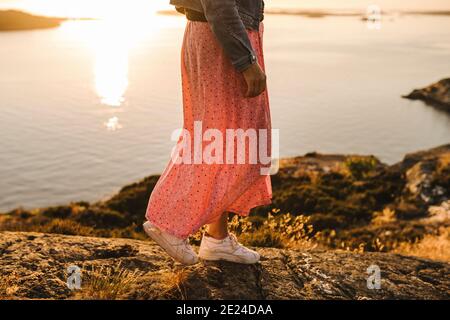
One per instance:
[(245, 62)]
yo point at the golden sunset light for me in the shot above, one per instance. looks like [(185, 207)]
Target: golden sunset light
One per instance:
[(237, 157), (99, 9), (106, 9)]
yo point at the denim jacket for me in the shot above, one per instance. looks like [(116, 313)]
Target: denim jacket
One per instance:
[(229, 20)]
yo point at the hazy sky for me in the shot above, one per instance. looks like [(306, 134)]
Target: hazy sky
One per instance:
[(92, 7), (345, 4)]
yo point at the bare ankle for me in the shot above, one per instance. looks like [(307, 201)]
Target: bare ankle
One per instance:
[(219, 229)]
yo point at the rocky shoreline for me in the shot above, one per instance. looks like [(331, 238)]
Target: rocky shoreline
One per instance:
[(437, 95), (349, 201), (332, 217)]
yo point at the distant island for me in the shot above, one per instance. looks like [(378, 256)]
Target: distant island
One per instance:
[(13, 20), (306, 13), (317, 13)]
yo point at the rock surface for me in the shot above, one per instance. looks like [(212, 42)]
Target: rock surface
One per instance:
[(437, 94), (33, 265)]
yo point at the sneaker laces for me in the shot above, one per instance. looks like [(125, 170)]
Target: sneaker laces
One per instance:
[(234, 241), (236, 245), (181, 243)]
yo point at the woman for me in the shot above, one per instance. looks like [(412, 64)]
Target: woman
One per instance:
[(224, 88)]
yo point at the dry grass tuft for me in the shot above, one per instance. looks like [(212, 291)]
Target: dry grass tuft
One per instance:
[(161, 284), (277, 231), (384, 217), (172, 285), (68, 227), (435, 247), (118, 283), (107, 283)]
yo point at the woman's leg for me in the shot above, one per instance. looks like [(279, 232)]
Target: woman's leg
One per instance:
[(219, 229)]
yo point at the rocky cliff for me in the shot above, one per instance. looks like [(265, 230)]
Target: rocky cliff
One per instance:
[(322, 205), (34, 265), (437, 94), (350, 201)]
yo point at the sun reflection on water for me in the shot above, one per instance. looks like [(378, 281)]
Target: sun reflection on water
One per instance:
[(111, 66), (113, 124), (110, 41)]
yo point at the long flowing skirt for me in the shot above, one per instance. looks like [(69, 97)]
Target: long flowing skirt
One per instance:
[(189, 195)]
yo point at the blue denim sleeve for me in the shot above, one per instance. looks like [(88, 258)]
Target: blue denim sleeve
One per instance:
[(226, 24)]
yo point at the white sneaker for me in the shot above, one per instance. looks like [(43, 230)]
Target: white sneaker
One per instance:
[(177, 248), (228, 249)]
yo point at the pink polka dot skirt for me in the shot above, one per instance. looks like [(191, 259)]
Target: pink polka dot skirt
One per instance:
[(190, 195)]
